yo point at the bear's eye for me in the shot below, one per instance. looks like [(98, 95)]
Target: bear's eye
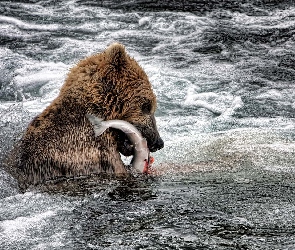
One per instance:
[(146, 107)]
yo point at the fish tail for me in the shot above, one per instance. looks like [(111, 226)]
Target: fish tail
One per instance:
[(97, 123)]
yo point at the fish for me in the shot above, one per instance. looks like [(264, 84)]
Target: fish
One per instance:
[(141, 160)]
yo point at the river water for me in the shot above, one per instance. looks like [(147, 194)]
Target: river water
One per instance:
[(224, 79)]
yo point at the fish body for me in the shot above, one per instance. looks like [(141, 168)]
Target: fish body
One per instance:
[(141, 156)]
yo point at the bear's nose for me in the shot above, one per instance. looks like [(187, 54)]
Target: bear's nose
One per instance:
[(158, 144)]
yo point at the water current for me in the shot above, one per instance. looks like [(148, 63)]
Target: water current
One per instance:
[(224, 77)]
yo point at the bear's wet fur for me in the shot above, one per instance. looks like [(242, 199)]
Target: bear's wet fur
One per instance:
[(60, 142)]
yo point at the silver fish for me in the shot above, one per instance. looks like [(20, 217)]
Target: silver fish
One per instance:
[(141, 158)]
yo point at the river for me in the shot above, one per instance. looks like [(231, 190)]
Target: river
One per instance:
[(223, 73)]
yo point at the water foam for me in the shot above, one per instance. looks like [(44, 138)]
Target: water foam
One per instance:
[(35, 73), (28, 26), (21, 227)]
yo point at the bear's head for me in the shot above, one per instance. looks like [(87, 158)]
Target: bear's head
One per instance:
[(114, 86)]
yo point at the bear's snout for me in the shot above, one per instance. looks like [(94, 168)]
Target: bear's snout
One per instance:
[(156, 145)]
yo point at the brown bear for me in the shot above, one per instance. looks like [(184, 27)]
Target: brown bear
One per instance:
[(60, 142)]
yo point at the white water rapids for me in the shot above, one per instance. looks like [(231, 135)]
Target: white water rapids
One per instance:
[(224, 80)]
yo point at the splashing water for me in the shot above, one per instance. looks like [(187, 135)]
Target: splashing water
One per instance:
[(223, 75)]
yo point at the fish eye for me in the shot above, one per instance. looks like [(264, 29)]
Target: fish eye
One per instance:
[(146, 107)]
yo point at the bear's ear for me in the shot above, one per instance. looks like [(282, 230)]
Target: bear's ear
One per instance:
[(116, 55)]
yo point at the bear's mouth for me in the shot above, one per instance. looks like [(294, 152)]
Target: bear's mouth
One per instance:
[(125, 146)]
